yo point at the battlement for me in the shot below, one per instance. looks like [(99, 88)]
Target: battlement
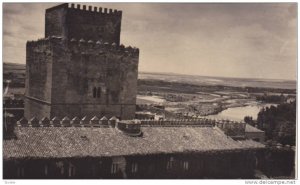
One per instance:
[(42, 41), (81, 45), (105, 122), (68, 122), (179, 122), (98, 10)]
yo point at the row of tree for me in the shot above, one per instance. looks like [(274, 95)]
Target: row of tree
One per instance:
[(279, 123), (271, 98)]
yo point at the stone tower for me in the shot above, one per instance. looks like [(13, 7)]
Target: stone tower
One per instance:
[(79, 68)]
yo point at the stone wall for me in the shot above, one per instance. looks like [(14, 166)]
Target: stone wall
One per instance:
[(55, 21), (211, 165), (38, 109), (38, 70), (83, 66), (81, 110), (38, 82), (78, 78)]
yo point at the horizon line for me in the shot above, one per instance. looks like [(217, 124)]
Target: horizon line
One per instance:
[(176, 73)]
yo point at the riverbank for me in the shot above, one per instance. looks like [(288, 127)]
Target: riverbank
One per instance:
[(239, 113), (233, 106)]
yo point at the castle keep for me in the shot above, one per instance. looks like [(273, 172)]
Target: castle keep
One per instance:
[(80, 68), (79, 121)]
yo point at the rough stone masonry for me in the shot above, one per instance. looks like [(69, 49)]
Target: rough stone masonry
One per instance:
[(79, 68)]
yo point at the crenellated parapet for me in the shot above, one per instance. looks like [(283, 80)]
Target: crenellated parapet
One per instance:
[(42, 41), (94, 9), (68, 122), (83, 46), (233, 129), (128, 127), (92, 46), (105, 121), (90, 9)]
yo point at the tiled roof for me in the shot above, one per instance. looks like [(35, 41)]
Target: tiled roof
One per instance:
[(250, 128), (61, 142)]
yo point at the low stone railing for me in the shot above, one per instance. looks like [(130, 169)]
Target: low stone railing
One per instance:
[(231, 128), (179, 122)]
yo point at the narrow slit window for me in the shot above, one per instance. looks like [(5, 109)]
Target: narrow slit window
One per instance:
[(46, 170), (20, 171), (170, 163), (185, 165), (99, 92), (114, 168), (62, 170), (94, 92), (71, 170), (134, 167)]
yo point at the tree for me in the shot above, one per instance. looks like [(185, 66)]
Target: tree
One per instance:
[(279, 123)]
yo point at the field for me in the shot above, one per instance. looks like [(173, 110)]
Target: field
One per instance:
[(191, 96), (216, 81)]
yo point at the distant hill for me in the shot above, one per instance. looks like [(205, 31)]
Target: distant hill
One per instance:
[(13, 66), (17, 71), (223, 81)]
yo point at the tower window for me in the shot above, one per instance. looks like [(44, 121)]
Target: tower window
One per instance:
[(94, 92), (107, 95), (134, 167), (170, 163), (46, 170), (71, 170), (114, 168), (20, 171), (93, 169), (185, 165), (62, 170), (98, 92)]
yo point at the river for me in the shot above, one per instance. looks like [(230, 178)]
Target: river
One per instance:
[(238, 113)]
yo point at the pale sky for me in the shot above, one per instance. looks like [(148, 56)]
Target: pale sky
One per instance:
[(231, 40)]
